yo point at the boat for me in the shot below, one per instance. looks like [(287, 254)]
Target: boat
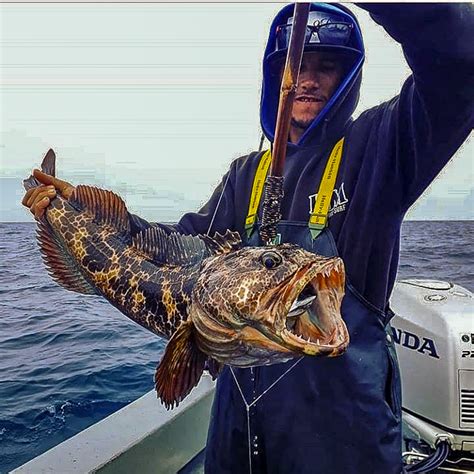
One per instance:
[(433, 332)]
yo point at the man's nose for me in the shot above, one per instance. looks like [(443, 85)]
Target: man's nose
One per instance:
[(309, 80), (308, 83)]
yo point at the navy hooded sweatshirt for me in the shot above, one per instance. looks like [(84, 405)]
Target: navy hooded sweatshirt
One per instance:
[(392, 152)]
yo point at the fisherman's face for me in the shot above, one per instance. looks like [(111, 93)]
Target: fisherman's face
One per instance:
[(320, 75)]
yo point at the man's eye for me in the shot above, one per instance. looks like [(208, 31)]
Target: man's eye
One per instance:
[(328, 66)]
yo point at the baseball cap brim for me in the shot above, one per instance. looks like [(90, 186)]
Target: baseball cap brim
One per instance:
[(350, 53)]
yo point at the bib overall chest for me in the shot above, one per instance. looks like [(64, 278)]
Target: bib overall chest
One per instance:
[(323, 415)]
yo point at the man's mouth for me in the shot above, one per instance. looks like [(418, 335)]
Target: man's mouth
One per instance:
[(309, 98)]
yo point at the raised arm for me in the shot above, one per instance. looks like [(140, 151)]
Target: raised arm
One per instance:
[(421, 128)]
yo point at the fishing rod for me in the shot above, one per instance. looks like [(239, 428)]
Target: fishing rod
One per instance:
[(273, 191)]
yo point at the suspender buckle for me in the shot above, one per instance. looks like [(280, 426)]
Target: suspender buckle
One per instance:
[(318, 219), (315, 229)]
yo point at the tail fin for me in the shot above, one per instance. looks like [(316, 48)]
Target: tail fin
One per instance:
[(48, 166)]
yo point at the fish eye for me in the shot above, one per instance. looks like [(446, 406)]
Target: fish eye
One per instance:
[(271, 259)]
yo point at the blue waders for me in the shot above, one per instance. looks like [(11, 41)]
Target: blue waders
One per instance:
[(325, 416)]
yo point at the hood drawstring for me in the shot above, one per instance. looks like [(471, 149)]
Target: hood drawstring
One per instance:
[(324, 129), (262, 140)]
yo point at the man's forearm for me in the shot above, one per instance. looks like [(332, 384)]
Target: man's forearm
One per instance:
[(444, 28), (434, 110)]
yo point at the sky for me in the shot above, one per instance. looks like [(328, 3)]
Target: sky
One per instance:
[(154, 101)]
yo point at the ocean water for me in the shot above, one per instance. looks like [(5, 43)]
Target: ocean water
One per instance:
[(67, 360)]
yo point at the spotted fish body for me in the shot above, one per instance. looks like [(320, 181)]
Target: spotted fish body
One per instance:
[(103, 259), (215, 302)]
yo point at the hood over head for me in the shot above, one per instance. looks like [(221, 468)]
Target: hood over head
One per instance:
[(345, 38)]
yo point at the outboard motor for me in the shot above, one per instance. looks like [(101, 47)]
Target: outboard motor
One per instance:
[(433, 330)]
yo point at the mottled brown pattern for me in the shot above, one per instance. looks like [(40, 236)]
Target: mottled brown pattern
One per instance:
[(216, 302), (239, 307), (154, 297)]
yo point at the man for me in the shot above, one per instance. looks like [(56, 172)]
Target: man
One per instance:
[(338, 415)]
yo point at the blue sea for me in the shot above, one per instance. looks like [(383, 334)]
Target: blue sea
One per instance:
[(68, 360)]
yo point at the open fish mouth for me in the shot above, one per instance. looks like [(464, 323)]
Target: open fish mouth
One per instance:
[(310, 320)]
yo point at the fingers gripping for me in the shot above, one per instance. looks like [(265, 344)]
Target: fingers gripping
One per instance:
[(38, 199), (63, 187), (43, 187)]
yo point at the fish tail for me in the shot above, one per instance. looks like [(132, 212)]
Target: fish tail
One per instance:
[(30, 183), (48, 166)]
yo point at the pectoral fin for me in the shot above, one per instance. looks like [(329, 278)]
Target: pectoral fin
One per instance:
[(180, 368), (214, 367)]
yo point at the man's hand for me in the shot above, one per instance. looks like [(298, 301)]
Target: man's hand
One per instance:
[(38, 199)]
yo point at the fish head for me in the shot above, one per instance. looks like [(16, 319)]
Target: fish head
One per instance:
[(263, 305)]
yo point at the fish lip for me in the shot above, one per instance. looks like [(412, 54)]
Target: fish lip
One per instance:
[(339, 338)]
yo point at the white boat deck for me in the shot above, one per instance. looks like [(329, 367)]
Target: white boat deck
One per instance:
[(142, 437)]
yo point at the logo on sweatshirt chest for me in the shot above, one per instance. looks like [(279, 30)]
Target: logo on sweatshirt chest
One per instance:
[(338, 203)]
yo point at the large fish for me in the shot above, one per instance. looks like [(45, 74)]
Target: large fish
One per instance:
[(214, 300)]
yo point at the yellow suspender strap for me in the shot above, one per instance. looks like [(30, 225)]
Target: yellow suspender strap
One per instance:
[(257, 189), (319, 216)]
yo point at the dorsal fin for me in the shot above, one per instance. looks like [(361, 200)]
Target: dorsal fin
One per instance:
[(105, 206), (174, 249), (223, 243), (178, 249)]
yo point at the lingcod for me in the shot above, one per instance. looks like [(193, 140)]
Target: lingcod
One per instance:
[(215, 300)]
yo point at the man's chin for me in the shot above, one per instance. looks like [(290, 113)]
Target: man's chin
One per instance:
[(301, 124)]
